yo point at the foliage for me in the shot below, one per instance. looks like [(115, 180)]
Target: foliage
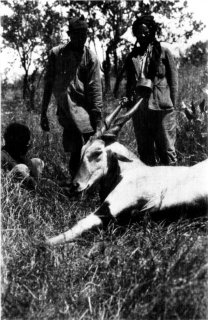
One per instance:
[(194, 131), (22, 29), (31, 31), (196, 55), (22, 32), (192, 113), (178, 11), (37, 27), (31, 27), (52, 31), (108, 21)]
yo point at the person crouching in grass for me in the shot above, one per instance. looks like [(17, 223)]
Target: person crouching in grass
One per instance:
[(14, 160)]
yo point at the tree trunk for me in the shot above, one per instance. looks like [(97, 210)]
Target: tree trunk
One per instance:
[(32, 96), (119, 78), (115, 57), (25, 86), (106, 70), (29, 89)]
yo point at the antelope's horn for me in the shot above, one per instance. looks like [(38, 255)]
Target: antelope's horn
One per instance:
[(120, 121), (110, 118)]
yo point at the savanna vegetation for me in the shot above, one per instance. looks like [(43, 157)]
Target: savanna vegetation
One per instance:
[(143, 271)]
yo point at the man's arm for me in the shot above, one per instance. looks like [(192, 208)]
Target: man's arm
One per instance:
[(7, 162), (172, 77), (94, 93), (131, 82)]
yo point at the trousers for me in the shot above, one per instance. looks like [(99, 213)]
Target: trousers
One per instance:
[(72, 142), (155, 132)]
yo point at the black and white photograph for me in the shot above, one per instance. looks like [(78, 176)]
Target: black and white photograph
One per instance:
[(104, 160)]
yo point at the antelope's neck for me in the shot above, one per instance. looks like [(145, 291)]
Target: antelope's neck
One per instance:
[(111, 178)]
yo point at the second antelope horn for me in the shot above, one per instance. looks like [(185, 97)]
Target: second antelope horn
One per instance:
[(110, 118), (120, 121)]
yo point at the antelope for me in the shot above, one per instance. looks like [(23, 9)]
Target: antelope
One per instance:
[(126, 183)]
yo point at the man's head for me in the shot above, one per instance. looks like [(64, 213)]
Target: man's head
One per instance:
[(144, 29), (78, 32), (17, 138)]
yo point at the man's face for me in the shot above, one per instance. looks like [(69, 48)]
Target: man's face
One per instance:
[(78, 38), (22, 147), (143, 34)]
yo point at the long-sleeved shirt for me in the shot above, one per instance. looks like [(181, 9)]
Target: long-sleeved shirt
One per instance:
[(165, 81), (74, 78)]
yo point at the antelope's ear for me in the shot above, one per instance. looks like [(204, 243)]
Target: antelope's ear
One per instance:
[(122, 158), (108, 138)]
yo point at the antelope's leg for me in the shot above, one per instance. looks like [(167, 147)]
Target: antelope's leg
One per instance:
[(82, 226)]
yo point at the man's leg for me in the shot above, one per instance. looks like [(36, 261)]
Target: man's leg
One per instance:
[(74, 161), (73, 142), (144, 137), (166, 137)]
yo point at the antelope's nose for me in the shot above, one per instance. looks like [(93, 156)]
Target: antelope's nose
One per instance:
[(75, 185)]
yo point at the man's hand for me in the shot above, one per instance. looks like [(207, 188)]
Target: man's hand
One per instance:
[(97, 133), (44, 123), (98, 130)]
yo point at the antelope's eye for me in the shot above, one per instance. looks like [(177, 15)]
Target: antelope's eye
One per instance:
[(94, 155), (97, 153)]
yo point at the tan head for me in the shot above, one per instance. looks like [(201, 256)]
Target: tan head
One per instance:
[(93, 165), (97, 152)]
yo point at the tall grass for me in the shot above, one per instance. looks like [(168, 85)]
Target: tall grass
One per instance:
[(146, 271), (143, 271)]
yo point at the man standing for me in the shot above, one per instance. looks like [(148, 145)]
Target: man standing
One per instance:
[(73, 76), (154, 122)]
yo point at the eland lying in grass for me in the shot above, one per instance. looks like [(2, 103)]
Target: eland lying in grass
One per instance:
[(126, 183)]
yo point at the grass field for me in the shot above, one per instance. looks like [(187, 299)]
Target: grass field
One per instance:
[(143, 271)]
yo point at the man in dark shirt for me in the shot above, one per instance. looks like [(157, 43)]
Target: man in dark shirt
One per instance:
[(155, 122), (73, 76)]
